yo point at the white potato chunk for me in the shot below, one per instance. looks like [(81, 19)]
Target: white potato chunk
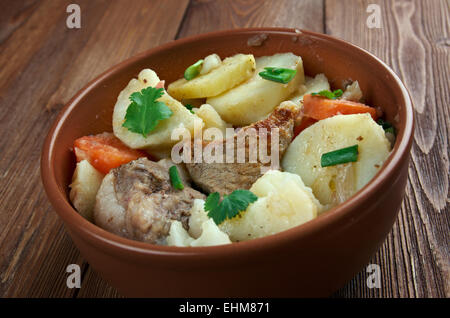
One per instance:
[(353, 92), (283, 202), (160, 138), (202, 230), (178, 236), (210, 62), (312, 85), (333, 185), (256, 98), (211, 118), (86, 181), (232, 72)]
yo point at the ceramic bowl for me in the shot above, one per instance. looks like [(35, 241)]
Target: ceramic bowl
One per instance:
[(314, 259)]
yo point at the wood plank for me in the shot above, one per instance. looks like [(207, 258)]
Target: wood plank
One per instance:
[(206, 15), (413, 40), (93, 286), (36, 80)]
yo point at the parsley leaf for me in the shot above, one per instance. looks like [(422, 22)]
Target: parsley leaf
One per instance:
[(144, 112), (212, 201), (328, 94), (230, 206)]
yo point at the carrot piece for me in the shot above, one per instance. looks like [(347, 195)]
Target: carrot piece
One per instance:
[(105, 151), (320, 107), (304, 123)]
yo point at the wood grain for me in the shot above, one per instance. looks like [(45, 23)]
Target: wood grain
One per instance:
[(206, 15), (43, 63)]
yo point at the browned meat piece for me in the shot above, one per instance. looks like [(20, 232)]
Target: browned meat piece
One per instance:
[(227, 177), (137, 201)]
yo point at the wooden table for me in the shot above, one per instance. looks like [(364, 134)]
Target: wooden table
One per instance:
[(43, 63)]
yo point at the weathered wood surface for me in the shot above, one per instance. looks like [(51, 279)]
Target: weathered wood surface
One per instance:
[(43, 63)]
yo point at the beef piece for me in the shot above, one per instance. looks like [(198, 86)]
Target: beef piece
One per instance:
[(227, 177), (137, 201)]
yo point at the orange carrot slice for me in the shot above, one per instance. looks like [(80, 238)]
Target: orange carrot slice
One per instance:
[(105, 151), (320, 107)]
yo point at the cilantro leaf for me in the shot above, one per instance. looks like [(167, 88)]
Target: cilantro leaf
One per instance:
[(230, 206), (328, 94), (212, 201), (144, 112)]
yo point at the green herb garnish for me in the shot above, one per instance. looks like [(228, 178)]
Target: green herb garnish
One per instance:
[(230, 206), (189, 106), (328, 94), (193, 70), (388, 128), (144, 112), (276, 74), (344, 155), (175, 178)]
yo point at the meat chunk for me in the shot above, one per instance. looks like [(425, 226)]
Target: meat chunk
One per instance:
[(137, 201), (227, 177)]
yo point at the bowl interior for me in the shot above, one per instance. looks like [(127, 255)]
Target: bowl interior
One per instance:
[(90, 111)]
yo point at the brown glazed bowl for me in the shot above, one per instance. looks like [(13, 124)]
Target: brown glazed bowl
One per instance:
[(313, 259)]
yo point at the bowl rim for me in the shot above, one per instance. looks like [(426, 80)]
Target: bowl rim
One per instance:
[(110, 242)]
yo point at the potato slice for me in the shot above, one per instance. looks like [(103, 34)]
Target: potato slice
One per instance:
[(86, 181), (283, 202), (335, 184), (257, 97), (160, 138), (232, 72), (312, 85)]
